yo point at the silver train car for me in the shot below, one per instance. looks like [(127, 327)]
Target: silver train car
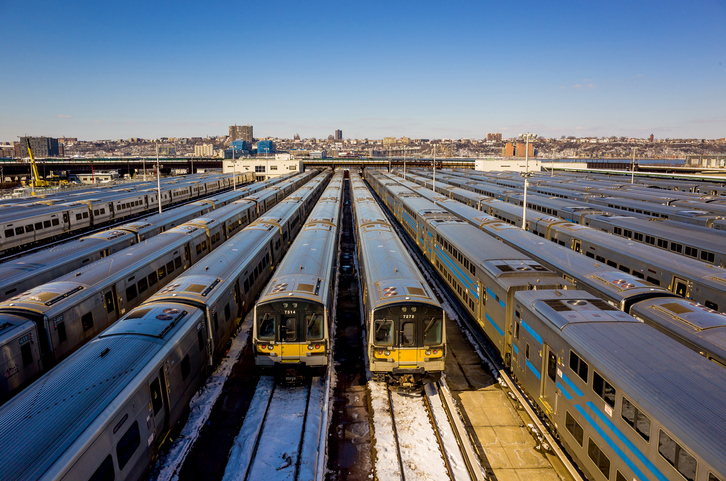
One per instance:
[(46, 219), (133, 382), (292, 317), (405, 324)]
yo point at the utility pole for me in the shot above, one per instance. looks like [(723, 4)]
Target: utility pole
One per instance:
[(234, 169), (434, 183), (632, 168)]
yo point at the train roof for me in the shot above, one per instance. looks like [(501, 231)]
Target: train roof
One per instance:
[(685, 396), (39, 426)]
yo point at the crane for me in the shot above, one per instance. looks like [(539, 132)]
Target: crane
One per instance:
[(34, 168)]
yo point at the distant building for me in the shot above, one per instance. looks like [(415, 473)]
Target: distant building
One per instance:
[(515, 165), (204, 150), (237, 149), (94, 178), (508, 150), (265, 147), (264, 167), (241, 132), (167, 150), (42, 147), (706, 161), (338, 135), (495, 136), (389, 140)]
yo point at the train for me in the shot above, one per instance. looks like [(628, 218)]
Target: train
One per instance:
[(696, 326), (405, 323), (104, 412), (293, 317), (48, 322), (626, 401), (31, 223)]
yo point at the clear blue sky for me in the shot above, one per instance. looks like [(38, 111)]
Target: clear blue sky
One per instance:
[(99, 69)]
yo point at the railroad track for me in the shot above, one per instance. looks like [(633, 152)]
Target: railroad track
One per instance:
[(281, 433), (23, 251), (540, 430), (418, 436)]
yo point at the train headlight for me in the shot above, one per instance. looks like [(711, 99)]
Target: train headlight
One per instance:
[(428, 352), (270, 347), (387, 352), (310, 347)]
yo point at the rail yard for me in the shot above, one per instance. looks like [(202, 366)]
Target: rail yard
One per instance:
[(366, 324)]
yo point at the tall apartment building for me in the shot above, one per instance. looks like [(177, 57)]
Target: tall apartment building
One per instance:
[(494, 136), (42, 147), (241, 132), (338, 135), (204, 150)]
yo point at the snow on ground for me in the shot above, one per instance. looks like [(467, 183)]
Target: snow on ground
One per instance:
[(200, 408), (243, 448), (314, 422), (453, 453), (420, 453), (279, 447), (386, 462)]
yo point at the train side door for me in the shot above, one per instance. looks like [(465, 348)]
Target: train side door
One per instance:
[(110, 301), (576, 245), (158, 406), (407, 342), (549, 381)]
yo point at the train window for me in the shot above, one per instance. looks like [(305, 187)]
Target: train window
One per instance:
[(226, 312), (619, 476), (131, 293), (185, 367), (288, 331), (638, 236), (692, 252), (707, 256), (199, 248), (87, 321), (128, 444), (383, 332), (612, 263), (38, 225), (432, 331), (170, 267), (578, 366), (29, 228), (599, 258), (649, 239), (79, 216), (408, 334), (105, 472), (9, 233), (526, 350), (678, 457), (552, 366), (103, 211), (603, 389), (27, 353), (638, 274), (46, 224), (662, 243), (516, 330), (55, 221), (19, 230), (618, 231), (95, 212), (143, 285), (152, 279), (247, 285), (61, 327), (627, 233), (636, 419), (314, 323), (215, 320), (711, 477), (574, 428), (590, 254), (598, 457), (711, 305), (653, 280), (177, 262), (109, 302), (624, 269), (161, 272), (85, 215), (675, 247), (266, 328)]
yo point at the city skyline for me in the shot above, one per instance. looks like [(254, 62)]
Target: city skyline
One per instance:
[(420, 70)]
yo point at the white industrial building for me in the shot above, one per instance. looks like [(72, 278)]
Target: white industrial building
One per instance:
[(264, 167), (508, 164)]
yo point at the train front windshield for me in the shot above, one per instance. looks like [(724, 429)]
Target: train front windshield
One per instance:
[(290, 321), (408, 326)]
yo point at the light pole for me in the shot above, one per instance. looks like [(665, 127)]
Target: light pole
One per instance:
[(434, 183), (632, 168), (527, 138), (234, 170), (158, 178), (404, 162)]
